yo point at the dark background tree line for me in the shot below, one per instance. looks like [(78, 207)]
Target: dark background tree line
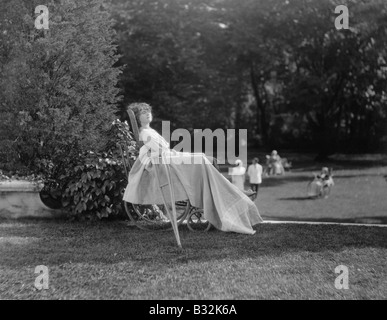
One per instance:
[(278, 68)]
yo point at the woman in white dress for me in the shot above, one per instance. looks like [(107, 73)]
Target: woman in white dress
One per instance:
[(193, 177)]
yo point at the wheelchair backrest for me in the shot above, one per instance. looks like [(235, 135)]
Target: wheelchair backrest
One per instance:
[(125, 145), (134, 127)]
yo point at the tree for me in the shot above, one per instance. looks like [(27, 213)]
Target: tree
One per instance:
[(276, 67), (333, 80), (338, 79), (58, 86), (170, 52)]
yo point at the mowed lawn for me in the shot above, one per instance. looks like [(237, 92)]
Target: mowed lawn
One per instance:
[(110, 260), (113, 261), (359, 195)]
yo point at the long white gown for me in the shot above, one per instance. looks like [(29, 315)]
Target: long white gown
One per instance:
[(194, 178), (238, 177)]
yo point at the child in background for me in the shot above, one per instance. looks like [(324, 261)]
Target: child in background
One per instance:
[(238, 175), (255, 175), (321, 184), (325, 177)]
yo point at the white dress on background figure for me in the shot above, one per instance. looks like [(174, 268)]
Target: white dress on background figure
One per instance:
[(238, 177)]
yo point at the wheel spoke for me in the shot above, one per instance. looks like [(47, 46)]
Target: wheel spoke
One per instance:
[(155, 217), (196, 221)]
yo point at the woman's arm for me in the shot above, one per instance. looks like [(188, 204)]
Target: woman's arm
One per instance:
[(153, 142)]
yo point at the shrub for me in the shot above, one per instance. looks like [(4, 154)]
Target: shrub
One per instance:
[(91, 186), (96, 186), (58, 87)]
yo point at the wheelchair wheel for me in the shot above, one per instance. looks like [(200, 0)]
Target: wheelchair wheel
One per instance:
[(196, 221), (155, 217)]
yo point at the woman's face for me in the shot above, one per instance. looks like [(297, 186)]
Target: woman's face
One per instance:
[(145, 117)]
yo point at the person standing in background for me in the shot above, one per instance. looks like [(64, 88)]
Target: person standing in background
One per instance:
[(238, 175), (255, 175)]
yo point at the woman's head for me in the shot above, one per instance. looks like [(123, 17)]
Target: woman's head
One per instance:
[(239, 163), (325, 170), (142, 111), (274, 153)]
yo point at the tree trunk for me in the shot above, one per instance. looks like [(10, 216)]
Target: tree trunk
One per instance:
[(261, 116), (338, 126)]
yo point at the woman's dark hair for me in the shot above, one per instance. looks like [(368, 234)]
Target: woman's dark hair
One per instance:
[(137, 108)]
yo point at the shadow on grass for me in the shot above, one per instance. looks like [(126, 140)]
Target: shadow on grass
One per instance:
[(346, 176), (298, 198), (280, 180), (339, 165)]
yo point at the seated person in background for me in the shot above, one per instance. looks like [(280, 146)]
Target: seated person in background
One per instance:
[(275, 164), (325, 177), (321, 183)]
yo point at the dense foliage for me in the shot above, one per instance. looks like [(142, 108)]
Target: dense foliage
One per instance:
[(94, 187), (92, 184), (279, 68), (58, 92), (58, 86)]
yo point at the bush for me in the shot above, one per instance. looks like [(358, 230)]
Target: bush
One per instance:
[(58, 87), (92, 184), (95, 187)]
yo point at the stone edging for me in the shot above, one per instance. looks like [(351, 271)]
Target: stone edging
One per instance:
[(20, 199)]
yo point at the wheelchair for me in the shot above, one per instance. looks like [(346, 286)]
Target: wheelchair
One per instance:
[(170, 214), (157, 216)]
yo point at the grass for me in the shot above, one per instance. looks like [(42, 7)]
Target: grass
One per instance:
[(113, 261), (109, 260), (359, 195)]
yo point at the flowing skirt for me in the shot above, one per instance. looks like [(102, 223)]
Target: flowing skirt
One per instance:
[(194, 178)]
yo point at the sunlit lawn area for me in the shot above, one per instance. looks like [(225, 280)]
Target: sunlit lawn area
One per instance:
[(110, 260), (359, 195)]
